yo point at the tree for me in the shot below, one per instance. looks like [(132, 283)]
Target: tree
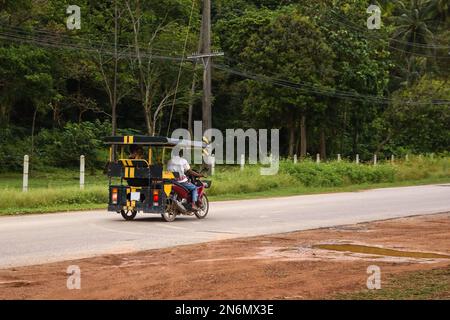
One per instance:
[(157, 82), (362, 64), (28, 74), (412, 33), (413, 123), (282, 45)]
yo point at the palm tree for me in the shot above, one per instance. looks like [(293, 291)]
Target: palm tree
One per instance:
[(412, 31)]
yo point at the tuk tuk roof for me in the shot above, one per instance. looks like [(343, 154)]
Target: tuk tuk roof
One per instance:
[(153, 141)]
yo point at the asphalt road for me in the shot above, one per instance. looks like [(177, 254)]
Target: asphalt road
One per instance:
[(37, 239)]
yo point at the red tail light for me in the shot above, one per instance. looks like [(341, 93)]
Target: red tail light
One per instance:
[(155, 198), (114, 195)]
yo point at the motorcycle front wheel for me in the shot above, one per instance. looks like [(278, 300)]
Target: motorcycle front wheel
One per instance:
[(204, 208)]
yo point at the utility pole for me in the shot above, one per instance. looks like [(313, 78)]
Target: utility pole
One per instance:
[(116, 66), (207, 82), (116, 58), (206, 56)]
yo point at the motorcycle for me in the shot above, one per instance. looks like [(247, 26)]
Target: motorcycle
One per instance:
[(180, 200)]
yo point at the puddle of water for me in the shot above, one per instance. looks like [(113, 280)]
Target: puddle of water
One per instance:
[(380, 251)]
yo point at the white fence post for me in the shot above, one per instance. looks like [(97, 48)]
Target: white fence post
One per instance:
[(357, 159), (26, 167), (318, 158), (339, 159), (82, 167), (242, 162), (407, 157), (295, 159), (213, 165), (392, 159), (375, 160)]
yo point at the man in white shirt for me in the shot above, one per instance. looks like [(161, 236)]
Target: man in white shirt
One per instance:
[(181, 166)]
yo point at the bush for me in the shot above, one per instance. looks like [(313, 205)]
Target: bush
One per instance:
[(62, 148), (336, 174), (55, 147), (12, 150)]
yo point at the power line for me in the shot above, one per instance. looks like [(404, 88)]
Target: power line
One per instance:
[(60, 36), (310, 88), (341, 92), (56, 43), (305, 87)]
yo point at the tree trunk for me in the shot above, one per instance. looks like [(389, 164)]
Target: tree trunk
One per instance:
[(323, 146), (383, 143), (291, 137), (148, 121), (343, 131), (33, 126), (355, 141), (4, 115), (303, 138), (191, 104), (56, 115)]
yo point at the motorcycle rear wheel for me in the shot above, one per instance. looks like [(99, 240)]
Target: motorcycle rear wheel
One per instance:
[(170, 214), (204, 209)]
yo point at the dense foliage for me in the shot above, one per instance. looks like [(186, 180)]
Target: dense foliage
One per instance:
[(309, 68)]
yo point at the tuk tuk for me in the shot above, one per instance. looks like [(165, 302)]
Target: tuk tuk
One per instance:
[(141, 184)]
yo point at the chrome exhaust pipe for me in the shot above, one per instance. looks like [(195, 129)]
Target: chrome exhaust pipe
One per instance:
[(180, 206)]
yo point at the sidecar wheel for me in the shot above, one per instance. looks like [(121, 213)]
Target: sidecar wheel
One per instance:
[(128, 215)]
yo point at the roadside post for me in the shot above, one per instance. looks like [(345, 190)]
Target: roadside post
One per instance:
[(357, 159), (213, 165), (318, 158), (407, 157), (82, 167), (392, 159), (242, 162), (295, 159), (375, 160), (339, 159), (26, 167)]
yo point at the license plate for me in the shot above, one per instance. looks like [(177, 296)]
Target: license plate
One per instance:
[(135, 196)]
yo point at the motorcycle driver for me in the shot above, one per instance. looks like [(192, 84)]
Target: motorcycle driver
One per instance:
[(181, 166)]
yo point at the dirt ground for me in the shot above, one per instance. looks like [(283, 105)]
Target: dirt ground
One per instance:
[(282, 266)]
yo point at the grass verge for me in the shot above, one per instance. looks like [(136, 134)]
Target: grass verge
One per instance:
[(420, 285)]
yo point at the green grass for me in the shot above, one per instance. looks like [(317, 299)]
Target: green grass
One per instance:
[(57, 190), (421, 285)]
